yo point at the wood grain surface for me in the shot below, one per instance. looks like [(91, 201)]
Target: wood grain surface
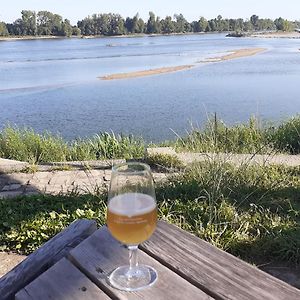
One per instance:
[(63, 281), (41, 259), (100, 254), (218, 273)]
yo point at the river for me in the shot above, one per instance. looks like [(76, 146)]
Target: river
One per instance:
[(53, 85)]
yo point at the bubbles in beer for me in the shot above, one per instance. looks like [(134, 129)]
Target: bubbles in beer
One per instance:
[(131, 204)]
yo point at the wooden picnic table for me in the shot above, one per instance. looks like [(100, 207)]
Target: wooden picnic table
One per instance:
[(188, 268)]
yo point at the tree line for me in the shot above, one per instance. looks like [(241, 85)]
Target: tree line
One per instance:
[(47, 23)]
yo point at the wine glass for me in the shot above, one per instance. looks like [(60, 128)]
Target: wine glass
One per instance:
[(131, 219)]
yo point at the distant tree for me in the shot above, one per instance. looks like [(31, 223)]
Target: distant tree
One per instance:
[(239, 25), (167, 25), (132, 24), (212, 26), (76, 31), (3, 29), (29, 26), (140, 26), (86, 26), (67, 29), (248, 26), (50, 24), (254, 21), (181, 24), (201, 25), (44, 22), (18, 27), (265, 24), (153, 24), (117, 26)]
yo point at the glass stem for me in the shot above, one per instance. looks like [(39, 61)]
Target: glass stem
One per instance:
[(133, 261)]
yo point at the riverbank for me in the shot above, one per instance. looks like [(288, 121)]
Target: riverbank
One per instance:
[(33, 37), (279, 34), (215, 136), (239, 53)]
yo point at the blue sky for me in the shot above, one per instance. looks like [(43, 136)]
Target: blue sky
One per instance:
[(191, 9)]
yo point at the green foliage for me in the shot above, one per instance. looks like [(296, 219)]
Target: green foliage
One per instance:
[(110, 24), (107, 146), (249, 211), (286, 137), (26, 145), (217, 137), (252, 212), (164, 162), (26, 223), (3, 29)]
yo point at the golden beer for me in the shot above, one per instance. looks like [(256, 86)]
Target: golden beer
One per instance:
[(132, 217)]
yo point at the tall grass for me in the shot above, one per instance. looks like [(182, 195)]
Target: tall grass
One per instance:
[(250, 211), (252, 137), (216, 136), (26, 145)]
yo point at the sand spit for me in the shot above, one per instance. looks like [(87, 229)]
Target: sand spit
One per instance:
[(146, 72), (231, 55), (235, 54)]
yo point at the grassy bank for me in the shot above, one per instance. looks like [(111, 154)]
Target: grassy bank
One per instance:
[(215, 136), (26, 145), (251, 137), (252, 212)]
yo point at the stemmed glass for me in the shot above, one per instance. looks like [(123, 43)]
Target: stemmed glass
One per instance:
[(131, 219)]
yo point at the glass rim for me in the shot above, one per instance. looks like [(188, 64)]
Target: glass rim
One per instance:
[(116, 168)]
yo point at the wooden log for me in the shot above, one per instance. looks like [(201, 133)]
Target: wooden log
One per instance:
[(216, 272), (44, 257), (100, 254), (63, 281)]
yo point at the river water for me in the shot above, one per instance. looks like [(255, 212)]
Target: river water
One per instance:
[(53, 85)]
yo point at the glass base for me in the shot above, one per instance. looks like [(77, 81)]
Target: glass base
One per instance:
[(135, 279)]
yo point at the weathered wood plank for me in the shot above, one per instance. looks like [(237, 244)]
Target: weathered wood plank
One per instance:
[(220, 274), (44, 257), (100, 254), (63, 281)]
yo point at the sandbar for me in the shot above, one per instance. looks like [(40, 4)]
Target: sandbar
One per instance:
[(231, 55), (146, 72), (235, 54)]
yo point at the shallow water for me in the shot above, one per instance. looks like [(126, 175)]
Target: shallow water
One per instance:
[(53, 85)]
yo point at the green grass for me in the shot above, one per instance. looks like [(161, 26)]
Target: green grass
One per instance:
[(252, 212), (251, 137), (26, 145)]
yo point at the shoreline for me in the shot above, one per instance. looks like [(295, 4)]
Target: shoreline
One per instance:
[(32, 37), (163, 70), (277, 35)]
